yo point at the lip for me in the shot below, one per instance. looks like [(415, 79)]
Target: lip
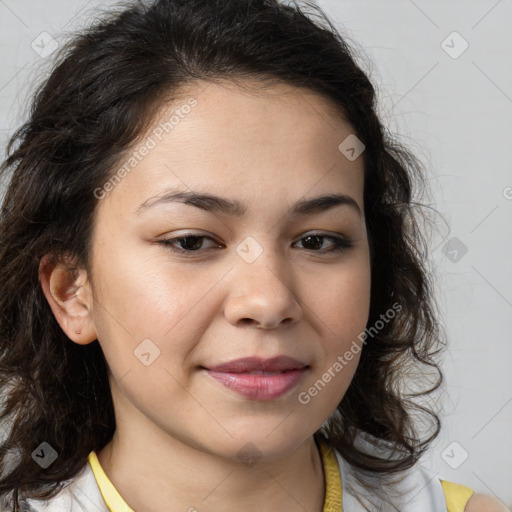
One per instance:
[(251, 364), (234, 375)]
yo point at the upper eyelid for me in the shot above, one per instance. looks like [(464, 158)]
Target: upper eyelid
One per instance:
[(338, 241), (303, 235)]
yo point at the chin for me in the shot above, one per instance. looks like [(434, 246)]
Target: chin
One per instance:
[(250, 446)]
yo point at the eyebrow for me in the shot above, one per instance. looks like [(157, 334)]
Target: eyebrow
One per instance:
[(213, 203)]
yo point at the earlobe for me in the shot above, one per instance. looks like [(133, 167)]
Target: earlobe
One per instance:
[(68, 293)]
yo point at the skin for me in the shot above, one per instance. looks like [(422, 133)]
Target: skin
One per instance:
[(179, 433), (484, 503)]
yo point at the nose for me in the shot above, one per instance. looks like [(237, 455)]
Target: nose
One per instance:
[(262, 293)]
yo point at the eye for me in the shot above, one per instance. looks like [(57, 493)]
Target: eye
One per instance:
[(338, 243), (191, 243)]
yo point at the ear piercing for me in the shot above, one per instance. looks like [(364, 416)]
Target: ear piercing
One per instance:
[(78, 331)]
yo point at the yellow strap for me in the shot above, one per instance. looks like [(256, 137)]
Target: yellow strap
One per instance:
[(112, 498), (333, 490), (457, 496)]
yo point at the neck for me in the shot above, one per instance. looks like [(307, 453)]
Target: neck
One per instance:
[(154, 472)]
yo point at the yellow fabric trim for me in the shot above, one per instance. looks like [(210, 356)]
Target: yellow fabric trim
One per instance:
[(112, 498), (457, 495), (333, 489)]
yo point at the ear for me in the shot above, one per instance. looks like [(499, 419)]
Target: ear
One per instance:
[(69, 295)]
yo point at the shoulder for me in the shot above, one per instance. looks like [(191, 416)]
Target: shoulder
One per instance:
[(484, 503), (460, 498), (410, 490), (77, 495), (434, 494)]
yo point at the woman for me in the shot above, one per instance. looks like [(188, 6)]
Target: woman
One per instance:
[(213, 282)]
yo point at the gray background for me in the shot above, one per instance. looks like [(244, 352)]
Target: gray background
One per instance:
[(452, 108)]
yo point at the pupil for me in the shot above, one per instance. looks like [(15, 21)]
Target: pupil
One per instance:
[(310, 237), (191, 246)]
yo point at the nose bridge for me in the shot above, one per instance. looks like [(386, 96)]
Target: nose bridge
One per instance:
[(260, 256), (264, 247), (262, 290)]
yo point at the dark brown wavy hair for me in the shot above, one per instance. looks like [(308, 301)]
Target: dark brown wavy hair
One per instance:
[(105, 87)]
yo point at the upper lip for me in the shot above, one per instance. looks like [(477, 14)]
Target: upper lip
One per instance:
[(250, 364)]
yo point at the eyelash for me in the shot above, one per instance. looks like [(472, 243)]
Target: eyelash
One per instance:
[(340, 244)]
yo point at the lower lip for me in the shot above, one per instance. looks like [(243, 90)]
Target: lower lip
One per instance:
[(259, 387)]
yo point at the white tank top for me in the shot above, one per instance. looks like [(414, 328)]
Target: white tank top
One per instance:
[(419, 491)]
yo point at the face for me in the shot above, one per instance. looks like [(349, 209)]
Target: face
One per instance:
[(181, 286)]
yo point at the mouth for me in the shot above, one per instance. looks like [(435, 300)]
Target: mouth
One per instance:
[(256, 365), (259, 379)]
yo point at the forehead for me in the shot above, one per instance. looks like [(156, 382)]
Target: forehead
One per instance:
[(259, 141)]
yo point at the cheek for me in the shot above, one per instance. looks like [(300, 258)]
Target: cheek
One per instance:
[(341, 299), (343, 306), (138, 300), (142, 319), (141, 293)]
